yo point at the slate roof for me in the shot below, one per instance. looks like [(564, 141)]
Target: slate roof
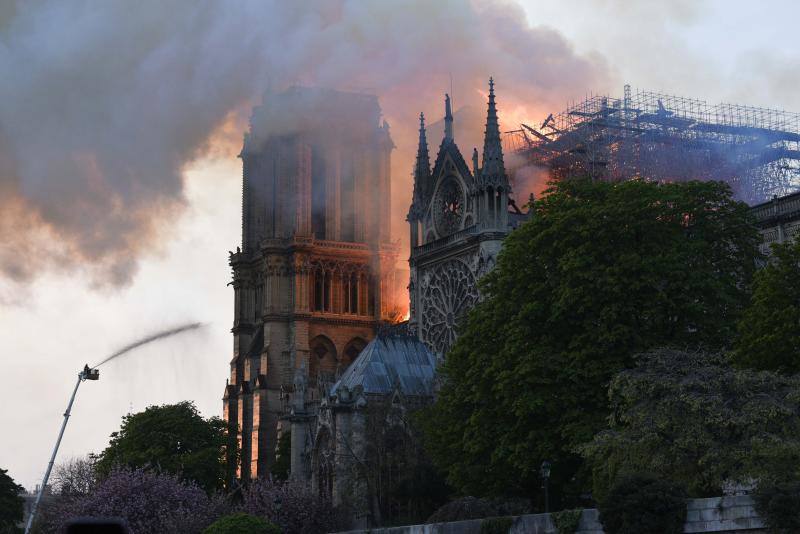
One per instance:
[(388, 360)]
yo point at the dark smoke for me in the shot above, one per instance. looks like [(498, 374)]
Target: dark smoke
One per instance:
[(103, 104), (151, 338)]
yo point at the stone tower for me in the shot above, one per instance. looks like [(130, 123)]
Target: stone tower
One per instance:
[(315, 272), (458, 219)]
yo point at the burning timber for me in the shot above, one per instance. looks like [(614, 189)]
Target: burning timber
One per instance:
[(667, 138)]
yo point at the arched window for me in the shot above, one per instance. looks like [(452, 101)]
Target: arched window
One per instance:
[(394, 495), (318, 193), (322, 290), (491, 203), (322, 357), (351, 351), (322, 464), (259, 299), (499, 205), (350, 293)]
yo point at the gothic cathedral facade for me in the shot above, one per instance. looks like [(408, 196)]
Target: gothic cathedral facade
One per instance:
[(458, 219), (315, 272)]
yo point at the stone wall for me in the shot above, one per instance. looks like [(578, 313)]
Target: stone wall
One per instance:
[(720, 515), (723, 515)]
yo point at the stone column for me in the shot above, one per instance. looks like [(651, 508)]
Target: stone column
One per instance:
[(245, 414), (333, 201), (262, 441), (360, 195), (230, 403), (303, 189), (350, 486), (384, 199)]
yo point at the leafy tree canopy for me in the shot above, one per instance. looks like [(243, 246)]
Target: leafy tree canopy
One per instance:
[(172, 438), (601, 271), (151, 503), (642, 503), (241, 523), (694, 419), (769, 332), (74, 476), (777, 504), (11, 504), (293, 506), (282, 465)]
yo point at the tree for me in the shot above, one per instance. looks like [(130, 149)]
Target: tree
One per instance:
[(240, 523), (282, 465), (601, 271), (150, 502), (172, 438), (769, 332), (292, 506), (643, 503), (75, 476), (694, 419), (777, 505), (11, 504)]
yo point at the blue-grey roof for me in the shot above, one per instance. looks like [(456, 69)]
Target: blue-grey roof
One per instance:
[(390, 360)]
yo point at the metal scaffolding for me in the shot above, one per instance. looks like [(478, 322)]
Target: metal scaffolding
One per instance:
[(666, 138)]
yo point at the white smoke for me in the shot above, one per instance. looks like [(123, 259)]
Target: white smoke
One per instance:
[(103, 103)]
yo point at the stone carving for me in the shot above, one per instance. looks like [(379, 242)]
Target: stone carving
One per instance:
[(300, 387), (482, 263), (450, 292)]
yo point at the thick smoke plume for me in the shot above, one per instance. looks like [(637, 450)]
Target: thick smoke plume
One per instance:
[(103, 103)]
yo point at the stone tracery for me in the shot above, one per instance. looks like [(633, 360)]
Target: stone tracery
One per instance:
[(450, 292)]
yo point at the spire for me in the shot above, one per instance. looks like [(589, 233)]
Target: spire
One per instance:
[(422, 171), (423, 166), (494, 171), (448, 119)]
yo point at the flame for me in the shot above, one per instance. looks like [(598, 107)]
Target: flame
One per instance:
[(398, 314)]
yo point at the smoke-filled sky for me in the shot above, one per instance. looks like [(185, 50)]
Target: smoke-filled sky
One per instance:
[(120, 123)]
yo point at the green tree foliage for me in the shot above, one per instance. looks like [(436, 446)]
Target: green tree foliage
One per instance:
[(642, 503), (693, 418), (567, 521), (173, 438), (282, 465), (778, 505), (602, 271), (11, 504), (769, 332), (497, 525), (241, 523)]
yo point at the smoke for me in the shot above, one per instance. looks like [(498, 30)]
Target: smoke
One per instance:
[(104, 103), (530, 180), (151, 338)]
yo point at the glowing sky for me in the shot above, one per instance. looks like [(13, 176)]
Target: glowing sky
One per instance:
[(59, 313)]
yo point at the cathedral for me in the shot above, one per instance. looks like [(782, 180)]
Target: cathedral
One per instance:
[(315, 355)]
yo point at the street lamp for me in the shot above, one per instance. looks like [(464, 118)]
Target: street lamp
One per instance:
[(86, 374), (544, 471)]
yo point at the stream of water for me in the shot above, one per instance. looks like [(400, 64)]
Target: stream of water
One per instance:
[(151, 338)]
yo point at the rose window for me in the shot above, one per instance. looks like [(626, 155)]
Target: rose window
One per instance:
[(450, 293)]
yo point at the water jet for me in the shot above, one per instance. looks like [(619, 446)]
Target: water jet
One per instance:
[(93, 373)]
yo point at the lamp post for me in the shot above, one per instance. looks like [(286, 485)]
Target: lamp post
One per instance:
[(86, 374), (544, 471)]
